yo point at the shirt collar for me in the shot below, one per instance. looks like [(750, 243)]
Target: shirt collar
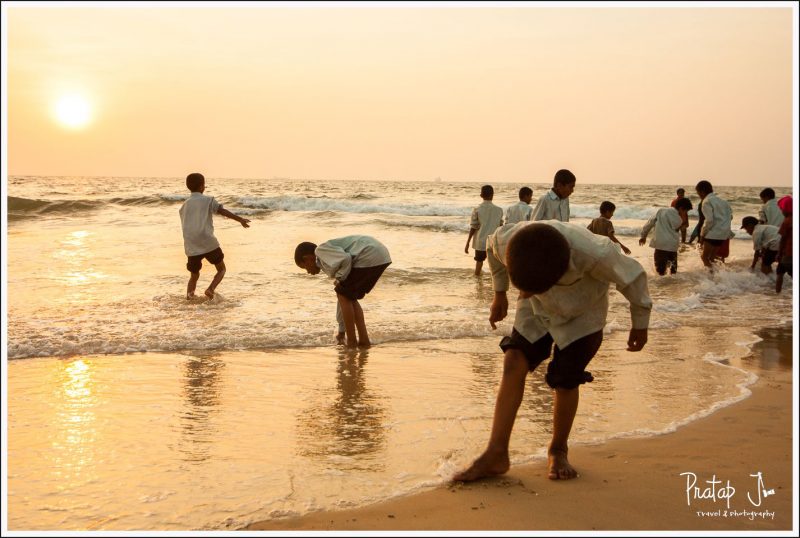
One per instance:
[(552, 195)]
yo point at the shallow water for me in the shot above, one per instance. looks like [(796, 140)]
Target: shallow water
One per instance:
[(131, 408)]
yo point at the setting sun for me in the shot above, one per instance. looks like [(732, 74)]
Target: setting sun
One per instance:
[(73, 111)]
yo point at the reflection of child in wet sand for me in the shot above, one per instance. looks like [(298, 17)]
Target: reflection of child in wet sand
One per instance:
[(198, 233), (562, 301), (356, 262)]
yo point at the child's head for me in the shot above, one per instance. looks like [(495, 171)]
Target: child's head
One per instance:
[(564, 183), (703, 189), (607, 209), (305, 258), (785, 205), (526, 195), (766, 195), (195, 182), (683, 205), (536, 258), (749, 224), (487, 192), (680, 192)]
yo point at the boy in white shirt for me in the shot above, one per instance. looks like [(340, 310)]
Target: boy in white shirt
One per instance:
[(766, 243), (555, 203), (667, 221), (563, 301), (356, 262), (485, 219), (769, 213), (198, 233), (716, 230), (522, 210)]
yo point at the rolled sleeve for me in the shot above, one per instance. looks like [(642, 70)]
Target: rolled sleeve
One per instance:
[(500, 280), (334, 261), (474, 222), (631, 281)]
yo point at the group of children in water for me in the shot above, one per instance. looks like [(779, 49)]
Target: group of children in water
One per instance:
[(562, 271)]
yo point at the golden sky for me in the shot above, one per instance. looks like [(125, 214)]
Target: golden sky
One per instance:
[(617, 95)]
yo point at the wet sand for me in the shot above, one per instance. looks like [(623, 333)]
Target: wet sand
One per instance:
[(627, 484)]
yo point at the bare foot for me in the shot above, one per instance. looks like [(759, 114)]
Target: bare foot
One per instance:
[(340, 338), (559, 467), (485, 466), (190, 296), (209, 293), (364, 343)]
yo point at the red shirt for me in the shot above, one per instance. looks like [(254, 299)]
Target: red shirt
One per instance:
[(786, 236)]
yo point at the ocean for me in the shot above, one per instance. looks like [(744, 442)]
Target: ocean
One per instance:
[(131, 408)]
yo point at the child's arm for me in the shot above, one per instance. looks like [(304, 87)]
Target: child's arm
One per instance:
[(646, 229), (756, 255), (631, 281), (225, 213), (474, 225), (336, 263), (613, 237), (495, 252), (469, 238)]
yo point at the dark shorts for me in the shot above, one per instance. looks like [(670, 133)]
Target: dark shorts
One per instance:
[(768, 256), (784, 266), (480, 255), (715, 242), (664, 259), (196, 262), (360, 281), (567, 369)]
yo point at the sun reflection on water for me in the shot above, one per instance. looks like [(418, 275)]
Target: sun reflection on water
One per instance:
[(74, 449)]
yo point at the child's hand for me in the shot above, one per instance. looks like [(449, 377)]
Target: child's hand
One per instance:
[(499, 308), (625, 249), (641, 242), (245, 223), (637, 339)]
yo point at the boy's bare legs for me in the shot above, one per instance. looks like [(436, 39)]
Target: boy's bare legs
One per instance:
[(217, 279), (708, 254), (778, 282), (495, 460), (349, 315), (565, 406), (361, 326), (478, 267), (192, 284)]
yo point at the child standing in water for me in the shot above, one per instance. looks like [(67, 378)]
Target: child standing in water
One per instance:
[(602, 225), (356, 262), (563, 272), (485, 220), (199, 242)]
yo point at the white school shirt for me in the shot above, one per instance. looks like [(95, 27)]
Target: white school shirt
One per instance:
[(770, 213), (578, 304), (198, 225), (485, 218), (766, 236), (550, 206), (518, 212), (338, 256), (667, 221), (718, 218)]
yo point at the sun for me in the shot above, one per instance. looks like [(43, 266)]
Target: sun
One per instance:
[(73, 111)]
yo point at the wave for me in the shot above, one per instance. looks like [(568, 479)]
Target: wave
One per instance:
[(302, 203), (29, 207)]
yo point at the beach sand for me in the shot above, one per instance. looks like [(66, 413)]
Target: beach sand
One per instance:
[(626, 484)]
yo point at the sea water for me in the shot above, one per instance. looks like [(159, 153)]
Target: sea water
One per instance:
[(130, 407)]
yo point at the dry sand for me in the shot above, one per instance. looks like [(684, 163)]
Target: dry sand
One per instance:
[(625, 484)]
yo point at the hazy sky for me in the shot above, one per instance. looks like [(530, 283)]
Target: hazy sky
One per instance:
[(639, 95)]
